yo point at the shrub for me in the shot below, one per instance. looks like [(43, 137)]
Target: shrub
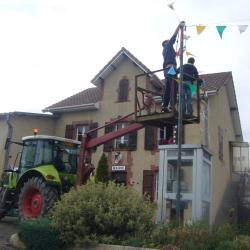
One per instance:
[(184, 237), (223, 234), (99, 211), (102, 173), (39, 235)]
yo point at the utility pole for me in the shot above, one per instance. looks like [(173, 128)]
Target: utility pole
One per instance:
[(178, 194)]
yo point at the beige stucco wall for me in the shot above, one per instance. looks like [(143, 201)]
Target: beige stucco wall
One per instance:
[(219, 115), (22, 126), (194, 132)]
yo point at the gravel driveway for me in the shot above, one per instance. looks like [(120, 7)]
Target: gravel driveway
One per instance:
[(8, 226)]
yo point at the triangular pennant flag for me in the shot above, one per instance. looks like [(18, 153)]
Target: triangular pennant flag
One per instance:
[(220, 30), (189, 54), (200, 29), (186, 37), (171, 5), (172, 71), (193, 89), (178, 80), (242, 28)]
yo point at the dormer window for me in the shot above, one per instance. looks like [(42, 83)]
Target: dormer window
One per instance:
[(123, 90)]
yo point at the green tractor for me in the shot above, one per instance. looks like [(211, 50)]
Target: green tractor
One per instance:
[(46, 169)]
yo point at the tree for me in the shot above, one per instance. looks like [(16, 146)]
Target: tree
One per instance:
[(102, 174)]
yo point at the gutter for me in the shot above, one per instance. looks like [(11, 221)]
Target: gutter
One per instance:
[(89, 106), (211, 92)]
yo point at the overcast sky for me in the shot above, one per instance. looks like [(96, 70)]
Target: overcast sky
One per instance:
[(51, 49)]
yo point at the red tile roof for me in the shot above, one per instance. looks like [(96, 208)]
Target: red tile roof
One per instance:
[(87, 96), (215, 81)]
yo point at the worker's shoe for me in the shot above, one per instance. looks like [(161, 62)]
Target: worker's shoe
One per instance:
[(165, 110)]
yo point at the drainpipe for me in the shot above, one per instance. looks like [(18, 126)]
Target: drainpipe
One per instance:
[(7, 143)]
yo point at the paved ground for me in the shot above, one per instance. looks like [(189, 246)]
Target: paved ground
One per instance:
[(8, 226)]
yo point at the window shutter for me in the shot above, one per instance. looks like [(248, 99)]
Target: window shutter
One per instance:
[(150, 138), (93, 126), (123, 91), (148, 188), (69, 131), (93, 134), (107, 147), (132, 141)]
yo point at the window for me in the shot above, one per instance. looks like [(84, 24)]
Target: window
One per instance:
[(123, 90), (68, 159), (28, 154), (165, 135), (80, 130), (44, 152), (75, 132), (128, 141), (186, 176), (36, 153), (123, 140)]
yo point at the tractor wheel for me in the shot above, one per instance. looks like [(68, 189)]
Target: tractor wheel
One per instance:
[(36, 199)]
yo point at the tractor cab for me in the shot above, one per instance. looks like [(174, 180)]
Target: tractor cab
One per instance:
[(43, 150)]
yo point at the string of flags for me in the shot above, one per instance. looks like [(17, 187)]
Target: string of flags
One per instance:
[(200, 28), (220, 29)]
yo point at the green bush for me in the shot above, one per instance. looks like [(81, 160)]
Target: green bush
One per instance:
[(39, 235), (223, 234), (102, 173), (99, 212), (191, 237)]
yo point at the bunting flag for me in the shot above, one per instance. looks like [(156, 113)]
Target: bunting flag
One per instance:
[(189, 54), (193, 89), (172, 71), (242, 28), (186, 37), (220, 30), (171, 5), (200, 29), (177, 80)]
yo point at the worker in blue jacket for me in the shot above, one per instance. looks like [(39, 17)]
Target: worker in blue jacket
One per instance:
[(169, 61)]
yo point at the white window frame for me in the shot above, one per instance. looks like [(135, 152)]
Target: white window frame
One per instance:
[(123, 139), (159, 139), (80, 131)]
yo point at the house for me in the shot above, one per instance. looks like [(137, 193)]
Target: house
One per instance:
[(134, 159), (15, 125)]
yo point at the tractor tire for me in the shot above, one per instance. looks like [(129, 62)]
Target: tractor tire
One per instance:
[(36, 199)]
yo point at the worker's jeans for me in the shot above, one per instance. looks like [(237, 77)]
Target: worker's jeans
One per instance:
[(170, 89), (187, 107)]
